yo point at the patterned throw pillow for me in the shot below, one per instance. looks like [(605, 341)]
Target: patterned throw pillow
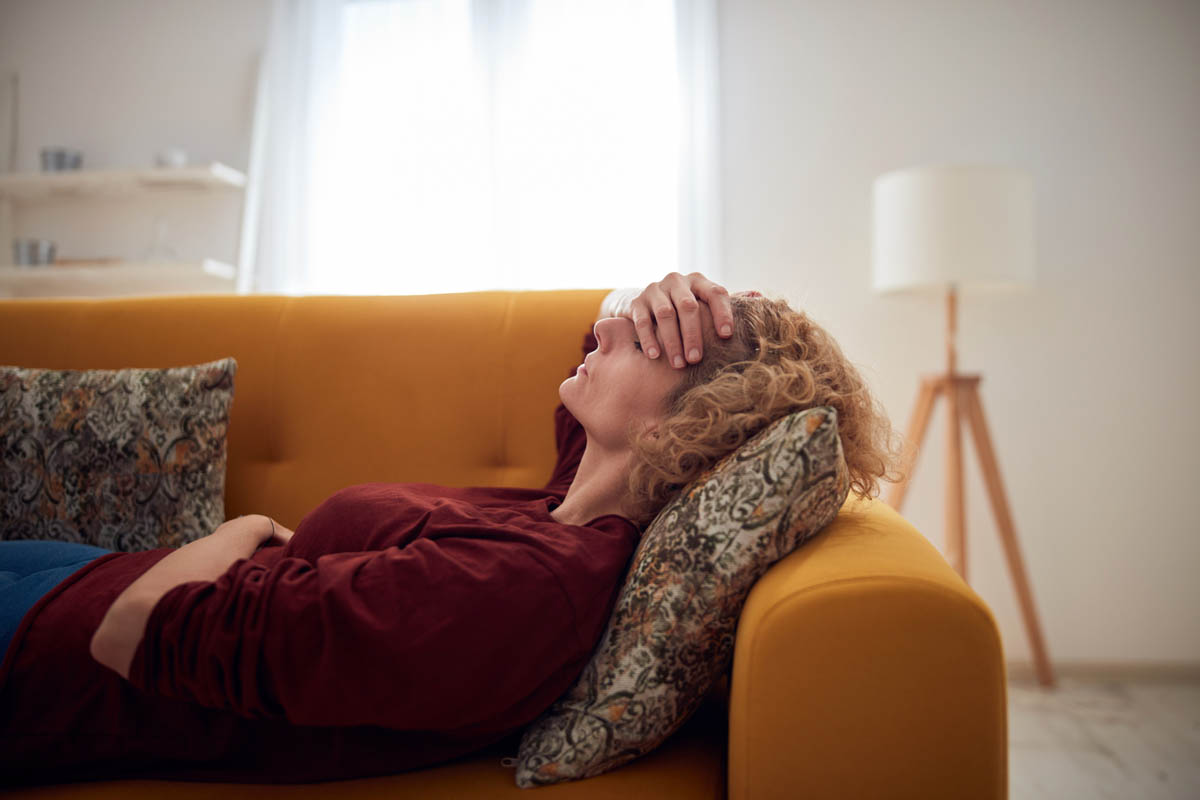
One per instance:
[(128, 459), (671, 633)]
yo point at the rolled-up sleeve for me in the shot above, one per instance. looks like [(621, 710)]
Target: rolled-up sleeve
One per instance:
[(439, 634)]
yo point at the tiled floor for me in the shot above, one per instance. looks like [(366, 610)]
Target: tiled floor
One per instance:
[(1095, 738)]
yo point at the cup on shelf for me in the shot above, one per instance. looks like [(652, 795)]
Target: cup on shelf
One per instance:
[(60, 159), (171, 157), (33, 252)]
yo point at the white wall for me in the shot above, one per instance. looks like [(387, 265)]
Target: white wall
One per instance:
[(1088, 381)]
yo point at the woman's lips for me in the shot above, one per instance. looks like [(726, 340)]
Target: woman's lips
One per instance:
[(582, 370)]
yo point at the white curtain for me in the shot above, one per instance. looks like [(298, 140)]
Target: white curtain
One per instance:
[(416, 146)]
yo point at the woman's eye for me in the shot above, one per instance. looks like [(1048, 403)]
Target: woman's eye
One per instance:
[(637, 344)]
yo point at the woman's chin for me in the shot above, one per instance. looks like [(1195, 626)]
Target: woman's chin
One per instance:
[(564, 390)]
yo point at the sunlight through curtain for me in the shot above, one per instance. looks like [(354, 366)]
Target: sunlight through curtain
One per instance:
[(462, 145)]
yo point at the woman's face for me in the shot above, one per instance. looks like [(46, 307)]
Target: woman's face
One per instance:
[(618, 383)]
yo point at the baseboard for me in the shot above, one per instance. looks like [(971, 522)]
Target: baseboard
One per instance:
[(1148, 671)]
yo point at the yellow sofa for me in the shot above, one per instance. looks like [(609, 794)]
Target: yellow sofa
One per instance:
[(863, 666)]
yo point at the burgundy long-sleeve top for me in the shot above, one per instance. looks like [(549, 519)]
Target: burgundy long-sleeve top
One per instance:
[(403, 625)]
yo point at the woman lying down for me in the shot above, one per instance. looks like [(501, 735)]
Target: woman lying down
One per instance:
[(404, 625)]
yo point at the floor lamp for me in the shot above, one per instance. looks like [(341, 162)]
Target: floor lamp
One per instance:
[(943, 228)]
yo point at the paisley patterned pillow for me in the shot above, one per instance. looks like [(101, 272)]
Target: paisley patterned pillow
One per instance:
[(671, 634), (128, 459)]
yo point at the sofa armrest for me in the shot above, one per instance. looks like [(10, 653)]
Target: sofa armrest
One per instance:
[(864, 666)]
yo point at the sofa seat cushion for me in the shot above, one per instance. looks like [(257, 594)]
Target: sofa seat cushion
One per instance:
[(691, 766)]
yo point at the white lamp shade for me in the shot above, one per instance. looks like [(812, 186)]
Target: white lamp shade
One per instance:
[(967, 225)]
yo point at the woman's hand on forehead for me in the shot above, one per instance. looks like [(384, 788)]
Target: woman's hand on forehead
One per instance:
[(674, 306)]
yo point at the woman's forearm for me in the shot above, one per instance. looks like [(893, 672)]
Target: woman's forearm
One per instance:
[(120, 631)]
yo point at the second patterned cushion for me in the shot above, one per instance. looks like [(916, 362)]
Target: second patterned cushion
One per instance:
[(671, 633)]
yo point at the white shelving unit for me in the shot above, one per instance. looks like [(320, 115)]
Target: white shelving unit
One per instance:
[(107, 279)]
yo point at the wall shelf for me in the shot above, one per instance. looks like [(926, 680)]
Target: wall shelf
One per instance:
[(117, 279), (112, 182)]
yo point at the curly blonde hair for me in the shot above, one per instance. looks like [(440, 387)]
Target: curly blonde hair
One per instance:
[(778, 361)]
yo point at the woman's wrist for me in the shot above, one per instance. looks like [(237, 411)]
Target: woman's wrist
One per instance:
[(257, 528), (616, 303), (264, 530)]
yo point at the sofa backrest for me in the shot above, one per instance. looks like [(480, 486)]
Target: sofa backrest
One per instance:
[(331, 391)]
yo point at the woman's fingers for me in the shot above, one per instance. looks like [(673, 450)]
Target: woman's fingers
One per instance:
[(643, 323), (717, 297), (282, 535), (690, 332), (660, 298), (646, 310), (667, 314)]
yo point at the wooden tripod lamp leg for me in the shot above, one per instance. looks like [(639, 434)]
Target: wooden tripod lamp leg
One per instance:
[(956, 540), (926, 396), (1008, 535)]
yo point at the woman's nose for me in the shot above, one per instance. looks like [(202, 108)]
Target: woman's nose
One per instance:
[(602, 329)]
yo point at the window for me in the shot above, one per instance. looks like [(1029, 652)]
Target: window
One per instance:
[(473, 145)]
